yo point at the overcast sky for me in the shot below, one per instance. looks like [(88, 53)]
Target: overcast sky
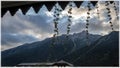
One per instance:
[(20, 29)]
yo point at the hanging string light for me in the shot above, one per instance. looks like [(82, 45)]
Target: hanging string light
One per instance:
[(69, 18), (97, 6), (56, 20), (110, 18), (87, 23), (115, 8)]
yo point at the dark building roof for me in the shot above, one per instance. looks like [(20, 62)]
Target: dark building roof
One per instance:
[(62, 63), (59, 63), (13, 6)]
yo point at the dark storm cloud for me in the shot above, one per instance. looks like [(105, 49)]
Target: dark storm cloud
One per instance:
[(40, 23)]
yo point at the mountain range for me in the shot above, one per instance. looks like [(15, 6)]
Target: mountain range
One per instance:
[(101, 51)]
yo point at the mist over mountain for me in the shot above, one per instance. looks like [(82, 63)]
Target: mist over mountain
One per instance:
[(67, 49)]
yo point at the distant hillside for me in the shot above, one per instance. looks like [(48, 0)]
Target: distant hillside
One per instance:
[(67, 49), (104, 52)]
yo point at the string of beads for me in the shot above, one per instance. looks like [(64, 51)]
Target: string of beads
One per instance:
[(87, 23), (109, 15), (69, 18)]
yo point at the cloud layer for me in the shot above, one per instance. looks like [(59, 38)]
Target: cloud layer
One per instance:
[(19, 29)]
